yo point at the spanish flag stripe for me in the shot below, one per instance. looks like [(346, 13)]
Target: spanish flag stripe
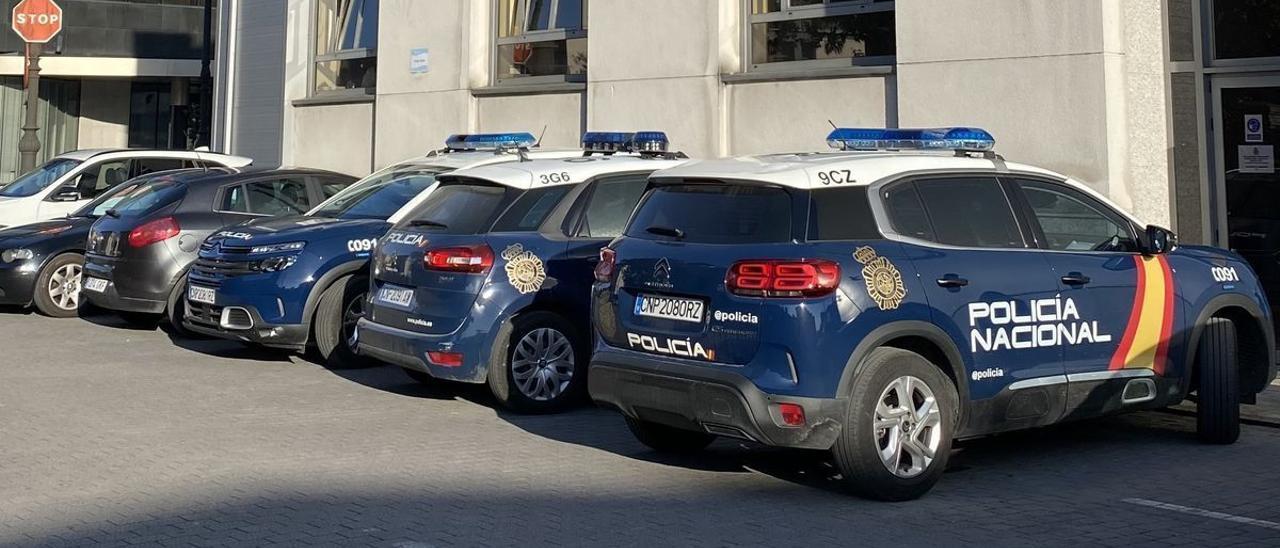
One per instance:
[(1166, 332), (1117, 359)]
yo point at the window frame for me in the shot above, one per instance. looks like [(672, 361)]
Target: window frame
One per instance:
[(1027, 215), (530, 37), (340, 55), (885, 222), (825, 9)]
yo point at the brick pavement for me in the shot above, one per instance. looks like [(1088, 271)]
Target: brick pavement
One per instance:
[(118, 437)]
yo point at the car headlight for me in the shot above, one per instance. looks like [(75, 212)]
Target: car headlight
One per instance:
[(276, 264), (11, 255), (277, 248)]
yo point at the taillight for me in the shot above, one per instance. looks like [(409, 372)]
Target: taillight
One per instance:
[(158, 230), (604, 268), (445, 359), (472, 258), (783, 278)]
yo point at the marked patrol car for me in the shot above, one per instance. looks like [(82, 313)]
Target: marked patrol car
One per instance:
[(487, 280), (881, 301), (289, 281)]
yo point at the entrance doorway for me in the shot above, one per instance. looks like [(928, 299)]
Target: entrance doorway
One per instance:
[(1247, 124)]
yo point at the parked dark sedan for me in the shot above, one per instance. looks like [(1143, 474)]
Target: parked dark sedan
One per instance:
[(138, 253), (40, 263)]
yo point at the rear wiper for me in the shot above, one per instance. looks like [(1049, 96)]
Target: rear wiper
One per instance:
[(666, 231), (113, 213), (427, 222)]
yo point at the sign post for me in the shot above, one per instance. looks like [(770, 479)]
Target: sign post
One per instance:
[(36, 22)]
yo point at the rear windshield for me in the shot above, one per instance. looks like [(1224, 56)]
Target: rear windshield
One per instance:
[(151, 197), (378, 197), (714, 213), (461, 207), (531, 209)]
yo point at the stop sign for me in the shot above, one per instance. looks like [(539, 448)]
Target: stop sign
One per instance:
[(37, 21)]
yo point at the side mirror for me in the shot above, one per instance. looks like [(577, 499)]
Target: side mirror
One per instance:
[(67, 194), (1158, 241)]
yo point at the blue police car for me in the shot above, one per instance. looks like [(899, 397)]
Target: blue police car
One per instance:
[(910, 289), (488, 279), (291, 281)]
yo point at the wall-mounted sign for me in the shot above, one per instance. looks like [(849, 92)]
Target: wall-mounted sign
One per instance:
[(1253, 128), (1257, 159), (418, 61)]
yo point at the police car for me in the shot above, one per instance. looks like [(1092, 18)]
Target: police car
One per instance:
[(487, 280), (288, 281), (910, 289)]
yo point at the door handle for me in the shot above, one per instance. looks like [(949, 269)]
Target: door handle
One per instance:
[(1075, 278), (951, 280)]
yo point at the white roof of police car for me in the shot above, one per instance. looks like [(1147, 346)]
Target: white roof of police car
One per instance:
[(579, 169), (89, 153), (801, 170), (473, 158)]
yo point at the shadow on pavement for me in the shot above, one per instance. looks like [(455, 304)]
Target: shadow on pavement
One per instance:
[(16, 310)]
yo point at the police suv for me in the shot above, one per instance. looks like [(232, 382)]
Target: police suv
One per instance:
[(284, 282), (487, 280), (881, 301)]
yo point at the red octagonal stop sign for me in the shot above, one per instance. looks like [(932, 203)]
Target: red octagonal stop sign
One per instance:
[(37, 21)]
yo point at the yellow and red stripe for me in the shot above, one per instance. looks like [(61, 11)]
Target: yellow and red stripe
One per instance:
[(1145, 344)]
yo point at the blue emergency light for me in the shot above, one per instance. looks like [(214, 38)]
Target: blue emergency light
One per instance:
[(621, 141), (963, 139), (489, 141)]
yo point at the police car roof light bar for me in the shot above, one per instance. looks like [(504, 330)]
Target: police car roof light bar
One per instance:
[(489, 141), (963, 139), (650, 142), (606, 142)]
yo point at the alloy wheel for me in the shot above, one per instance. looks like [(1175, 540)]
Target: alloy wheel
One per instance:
[(64, 286), (352, 315), (542, 364), (907, 427)]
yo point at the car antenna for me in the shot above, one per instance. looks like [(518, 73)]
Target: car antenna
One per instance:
[(538, 143), (833, 124)]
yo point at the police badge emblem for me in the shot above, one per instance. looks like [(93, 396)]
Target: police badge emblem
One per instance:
[(524, 269), (884, 282)]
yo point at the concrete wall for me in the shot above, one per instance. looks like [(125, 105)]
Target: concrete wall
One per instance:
[(104, 113)]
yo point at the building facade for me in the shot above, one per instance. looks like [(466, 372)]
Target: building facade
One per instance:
[(1169, 107), (121, 74)]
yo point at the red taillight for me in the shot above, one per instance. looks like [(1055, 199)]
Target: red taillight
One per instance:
[(445, 359), (783, 278), (604, 268), (472, 258), (158, 230), (791, 414)]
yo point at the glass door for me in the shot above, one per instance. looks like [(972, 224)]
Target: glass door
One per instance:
[(1247, 135)]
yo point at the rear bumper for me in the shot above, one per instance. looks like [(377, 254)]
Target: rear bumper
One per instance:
[(138, 284), (208, 320), (701, 398), (111, 299), (409, 349)]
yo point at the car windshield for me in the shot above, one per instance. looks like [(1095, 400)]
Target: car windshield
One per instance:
[(378, 197), (39, 178), (461, 207)]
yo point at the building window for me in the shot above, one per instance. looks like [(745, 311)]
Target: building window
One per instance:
[(806, 34), (1244, 29), (541, 41), (346, 46)]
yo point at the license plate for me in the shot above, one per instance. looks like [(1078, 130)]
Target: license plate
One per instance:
[(201, 294), (683, 310), (97, 285), (398, 296)]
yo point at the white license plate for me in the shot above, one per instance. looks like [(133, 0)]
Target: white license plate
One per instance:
[(97, 285), (684, 310), (201, 294), (396, 295)]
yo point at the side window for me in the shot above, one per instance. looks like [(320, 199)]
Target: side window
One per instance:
[(1072, 221), (277, 197), (106, 175), (906, 213), (841, 214), (235, 200), (531, 209), (969, 212), (612, 201), (330, 187), (152, 165)]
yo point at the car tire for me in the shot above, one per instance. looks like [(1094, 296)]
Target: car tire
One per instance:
[(668, 439), (543, 348), (1218, 394), (421, 377), (176, 309), (868, 451), (340, 306), (57, 289)]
